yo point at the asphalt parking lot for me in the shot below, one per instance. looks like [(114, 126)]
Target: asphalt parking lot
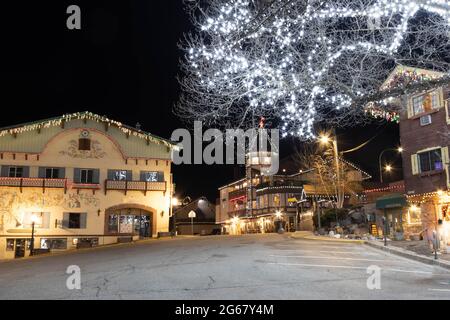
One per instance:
[(269, 266)]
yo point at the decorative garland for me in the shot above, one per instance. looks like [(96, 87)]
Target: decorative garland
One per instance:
[(403, 78)]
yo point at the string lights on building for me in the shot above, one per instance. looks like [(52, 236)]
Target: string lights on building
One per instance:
[(59, 121)]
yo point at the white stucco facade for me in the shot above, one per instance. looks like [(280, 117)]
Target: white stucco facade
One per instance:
[(86, 201)]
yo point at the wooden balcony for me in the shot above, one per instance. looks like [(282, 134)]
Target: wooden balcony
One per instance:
[(261, 190), (237, 193), (143, 186), (34, 183)]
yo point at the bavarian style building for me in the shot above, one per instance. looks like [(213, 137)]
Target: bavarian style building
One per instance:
[(85, 180)]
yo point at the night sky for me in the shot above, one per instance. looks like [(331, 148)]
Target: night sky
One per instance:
[(123, 64)]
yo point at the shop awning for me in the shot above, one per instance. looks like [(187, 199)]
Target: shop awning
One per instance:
[(393, 200)]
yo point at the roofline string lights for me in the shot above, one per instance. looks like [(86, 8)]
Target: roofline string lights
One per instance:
[(84, 116)]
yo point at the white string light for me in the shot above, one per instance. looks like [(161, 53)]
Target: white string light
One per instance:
[(271, 79)]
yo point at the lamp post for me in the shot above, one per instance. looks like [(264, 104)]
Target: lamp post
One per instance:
[(388, 167), (34, 219), (319, 212), (278, 215), (325, 139), (175, 203)]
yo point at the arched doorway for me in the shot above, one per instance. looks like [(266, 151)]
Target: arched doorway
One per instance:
[(130, 220)]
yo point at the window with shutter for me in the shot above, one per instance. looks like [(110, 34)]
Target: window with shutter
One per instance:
[(77, 175), (425, 102), (445, 156), (16, 172), (87, 176), (83, 220), (5, 171), (118, 175), (76, 220), (51, 173), (414, 164), (152, 176), (65, 222), (430, 160), (446, 162)]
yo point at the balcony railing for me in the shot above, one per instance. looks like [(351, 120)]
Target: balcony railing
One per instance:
[(144, 186), (34, 183), (237, 193), (260, 190)]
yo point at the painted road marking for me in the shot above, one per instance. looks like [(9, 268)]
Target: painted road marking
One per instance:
[(441, 290), (339, 252), (352, 267), (333, 258)]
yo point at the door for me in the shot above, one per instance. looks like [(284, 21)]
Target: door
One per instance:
[(145, 226), (20, 248)]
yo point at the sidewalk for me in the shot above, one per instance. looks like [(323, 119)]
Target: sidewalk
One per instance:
[(415, 250), (308, 235), (419, 247)]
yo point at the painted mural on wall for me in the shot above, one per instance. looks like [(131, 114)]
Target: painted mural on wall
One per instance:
[(86, 199), (72, 151), (14, 204)]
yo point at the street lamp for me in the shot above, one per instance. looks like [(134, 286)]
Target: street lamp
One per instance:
[(388, 168), (278, 215), (319, 212), (34, 219), (175, 202), (325, 140)]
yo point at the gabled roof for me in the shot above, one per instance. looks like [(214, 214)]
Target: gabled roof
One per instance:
[(401, 68), (86, 115)]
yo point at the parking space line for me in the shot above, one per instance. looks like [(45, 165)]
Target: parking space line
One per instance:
[(353, 267), (339, 252), (441, 290), (332, 258)]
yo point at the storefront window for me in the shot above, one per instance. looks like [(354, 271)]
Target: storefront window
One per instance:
[(54, 243), (137, 224), (92, 241), (414, 215), (113, 223), (126, 224), (9, 244), (276, 200)]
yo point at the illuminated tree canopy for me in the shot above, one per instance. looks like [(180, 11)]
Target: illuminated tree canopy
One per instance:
[(298, 63)]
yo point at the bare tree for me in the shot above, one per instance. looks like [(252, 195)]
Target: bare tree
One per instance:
[(298, 63), (324, 175)]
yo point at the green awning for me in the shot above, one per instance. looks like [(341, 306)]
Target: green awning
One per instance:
[(393, 200)]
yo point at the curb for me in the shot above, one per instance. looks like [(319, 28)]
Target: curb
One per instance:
[(310, 236), (100, 247), (390, 249), (410, 255)]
